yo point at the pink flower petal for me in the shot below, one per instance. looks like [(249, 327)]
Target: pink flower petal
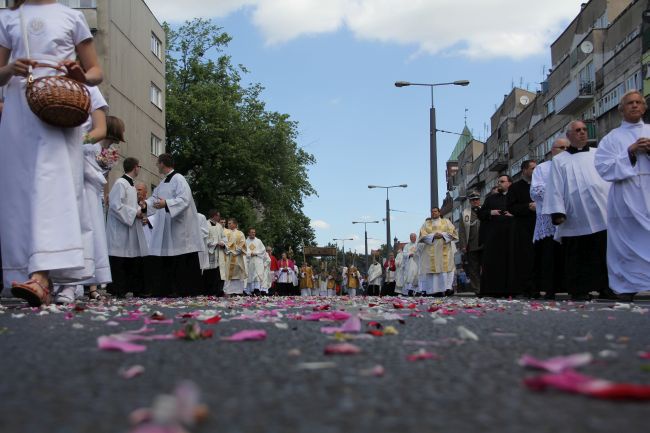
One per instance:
[(247, 335), (557, 364), (644, 355), (421, 355), (342, 349), (328, 315), (353, 324), (131, 372), (111, 343), (574, 382)]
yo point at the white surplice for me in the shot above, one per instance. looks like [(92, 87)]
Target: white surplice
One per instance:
[(410, 271), (374, 275), (628, 208), (177, 231), (41, 166), (255, 255), (204, 258), (215, 252), (543, 225), (124, 232), (576, 190)]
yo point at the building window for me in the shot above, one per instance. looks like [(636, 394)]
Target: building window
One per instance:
[(80, 4), (156, 46), (157, 147), (155, 96)]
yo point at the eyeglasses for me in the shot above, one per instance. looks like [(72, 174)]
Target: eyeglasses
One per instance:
[(580, 129), (561, 147), (139, 166)]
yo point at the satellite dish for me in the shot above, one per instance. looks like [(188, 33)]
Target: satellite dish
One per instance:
[(587, 47), (524, 100)]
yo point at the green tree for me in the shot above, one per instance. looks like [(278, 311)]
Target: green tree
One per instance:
[(238, 157)]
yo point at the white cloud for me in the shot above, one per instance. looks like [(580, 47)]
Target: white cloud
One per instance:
[(320, 225), (471, 28)]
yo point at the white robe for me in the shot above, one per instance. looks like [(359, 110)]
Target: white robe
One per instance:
[(576, 190), (41, 166), (255, 255), (268, 279), (399, 271), (215, 252), (410, 267), (177, 231), (124, 231), (94, 181), (204, 259), (628, 208), (374, 275)]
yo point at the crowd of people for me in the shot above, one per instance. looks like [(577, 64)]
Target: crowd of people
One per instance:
[(578, 223)]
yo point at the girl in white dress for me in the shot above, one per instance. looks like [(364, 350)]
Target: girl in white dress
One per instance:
[(41, 166)]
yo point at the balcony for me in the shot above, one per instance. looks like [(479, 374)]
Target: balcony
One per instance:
[(497, 161), (574, 96)]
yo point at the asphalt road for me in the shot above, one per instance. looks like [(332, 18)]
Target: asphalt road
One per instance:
[(55, 379)]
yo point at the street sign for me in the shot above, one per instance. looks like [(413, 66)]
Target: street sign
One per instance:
[(320, 251)]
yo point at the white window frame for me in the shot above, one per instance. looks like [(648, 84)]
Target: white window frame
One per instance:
[(156, 46), (157, 146), (155, 95)]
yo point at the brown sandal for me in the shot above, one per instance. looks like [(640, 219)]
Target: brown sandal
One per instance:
[(32, 291)]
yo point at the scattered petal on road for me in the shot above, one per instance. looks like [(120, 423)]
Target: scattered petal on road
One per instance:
[(342, 349), (558, 363), (248, 335)]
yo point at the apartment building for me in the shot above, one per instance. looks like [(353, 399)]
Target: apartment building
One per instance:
[(130, 46), (596, 59)]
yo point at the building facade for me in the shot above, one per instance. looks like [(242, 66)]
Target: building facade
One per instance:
[(603, 53), (130, 46)]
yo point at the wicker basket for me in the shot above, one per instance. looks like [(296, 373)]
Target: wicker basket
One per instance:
[(58, 100)]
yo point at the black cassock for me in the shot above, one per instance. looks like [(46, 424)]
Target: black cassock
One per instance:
[(496, 246), (522, 259)]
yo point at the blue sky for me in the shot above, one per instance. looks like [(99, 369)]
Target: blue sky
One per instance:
[(331, 66)]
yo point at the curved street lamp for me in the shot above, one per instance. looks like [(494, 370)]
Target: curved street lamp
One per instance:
[(433, 156)]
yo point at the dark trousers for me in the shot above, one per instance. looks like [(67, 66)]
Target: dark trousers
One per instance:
[(586, 263), (212, 282), (127, 274), (388, 289), (285, 289), (373, 290), (549, 266), (473, 269), (176, 275)]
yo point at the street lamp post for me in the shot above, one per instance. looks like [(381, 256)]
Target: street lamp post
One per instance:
[(365, 229), (433, 152), (388, 246), (337, 254)]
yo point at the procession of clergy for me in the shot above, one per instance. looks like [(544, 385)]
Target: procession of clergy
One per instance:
[(582, 226)]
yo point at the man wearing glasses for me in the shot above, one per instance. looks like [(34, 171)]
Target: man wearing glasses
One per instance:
[(549, 257), (576, 199)]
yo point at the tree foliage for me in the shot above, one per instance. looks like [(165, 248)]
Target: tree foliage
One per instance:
[(238, 157)]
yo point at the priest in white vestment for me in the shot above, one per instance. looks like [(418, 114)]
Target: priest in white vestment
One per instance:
[(374, 279), (124, 233), (436, 254), (235, 270), (410, 265), (176, 237), (255, 262), (204, 227), (213, 275), (623, 159), (576, 199), (399, 270)]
